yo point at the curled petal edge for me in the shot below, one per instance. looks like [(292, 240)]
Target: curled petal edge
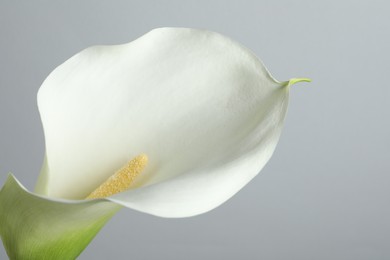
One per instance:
[(35, 227)]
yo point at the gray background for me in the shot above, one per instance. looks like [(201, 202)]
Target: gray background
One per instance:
[(324, 194)]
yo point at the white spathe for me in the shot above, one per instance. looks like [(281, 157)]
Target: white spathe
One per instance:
[(203, 108)]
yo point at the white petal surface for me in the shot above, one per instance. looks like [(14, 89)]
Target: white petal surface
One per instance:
[(208, 186), (203, 108)]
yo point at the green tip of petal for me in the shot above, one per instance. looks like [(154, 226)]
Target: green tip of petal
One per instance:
[(295, 80)]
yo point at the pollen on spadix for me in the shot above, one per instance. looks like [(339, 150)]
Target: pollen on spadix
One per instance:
[(122, 179)]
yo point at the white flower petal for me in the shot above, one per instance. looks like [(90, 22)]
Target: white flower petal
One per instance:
[(203, 108), (208, 186)]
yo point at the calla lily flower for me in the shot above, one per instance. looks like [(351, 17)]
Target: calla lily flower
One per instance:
[(172, 124)]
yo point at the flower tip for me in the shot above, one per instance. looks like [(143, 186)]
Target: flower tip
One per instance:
[(296, 80), (293, 81), (10, 177)]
